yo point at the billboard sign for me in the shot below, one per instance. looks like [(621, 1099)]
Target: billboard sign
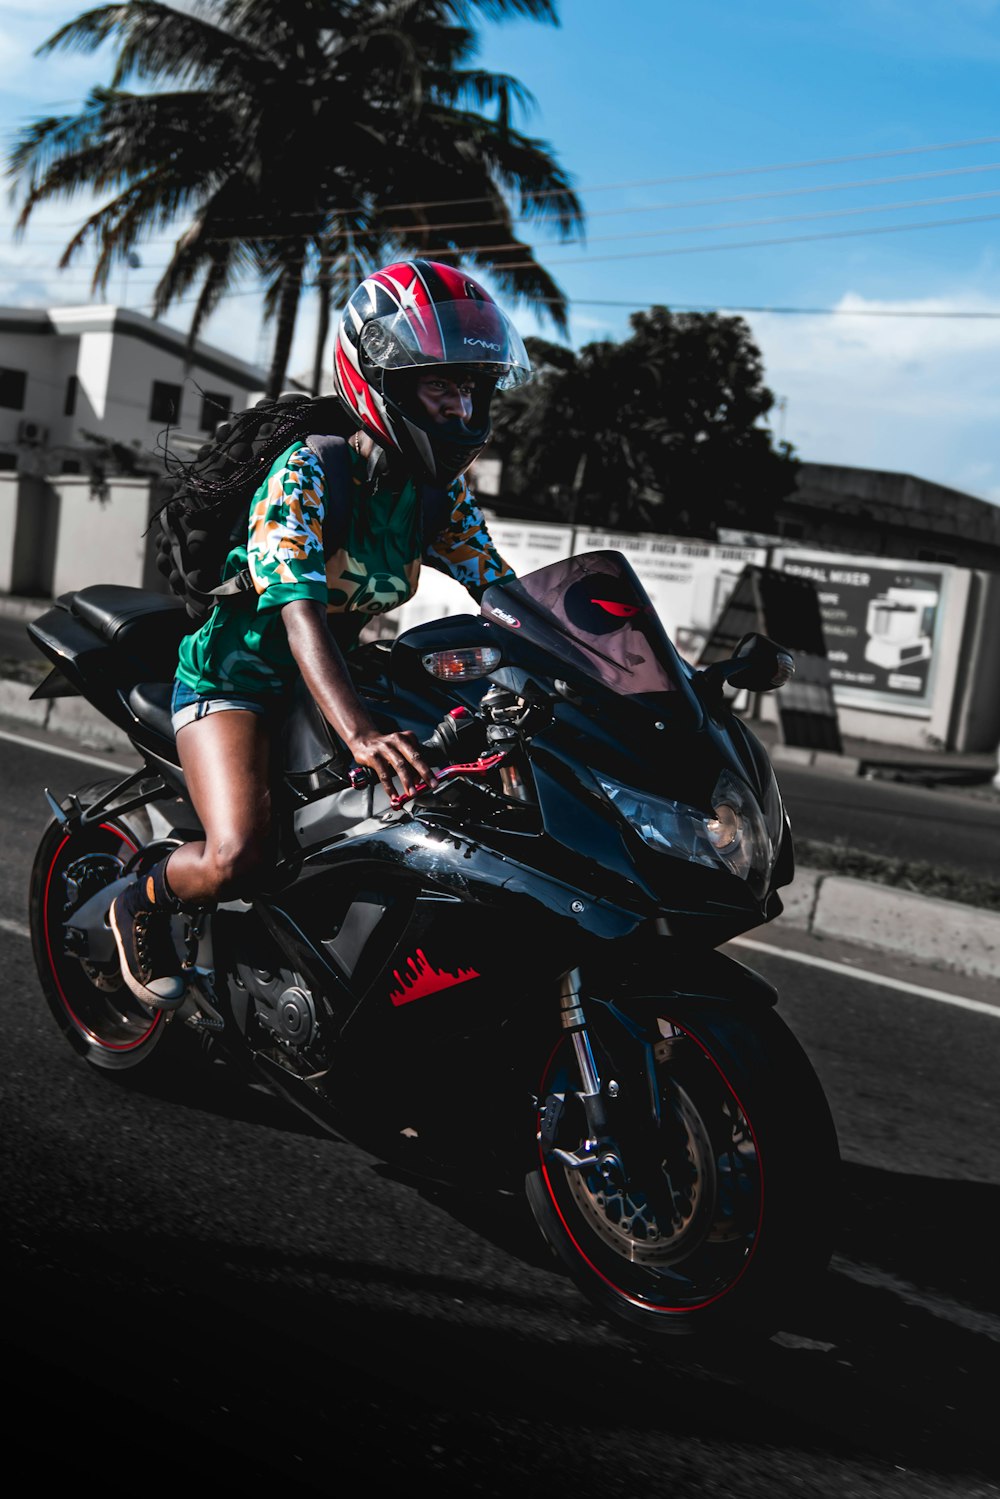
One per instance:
[(881, 623)]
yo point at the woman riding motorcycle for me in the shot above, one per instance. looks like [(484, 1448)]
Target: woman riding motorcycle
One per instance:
[(420, 349)]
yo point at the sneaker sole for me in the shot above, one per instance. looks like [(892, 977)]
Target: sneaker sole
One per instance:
[(139, 990)]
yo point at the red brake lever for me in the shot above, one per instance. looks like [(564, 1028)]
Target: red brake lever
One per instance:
[(474, 768)]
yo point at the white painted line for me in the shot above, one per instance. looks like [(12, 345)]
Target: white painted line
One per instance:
[(53, 749), (16, 928), (969, 1318), (961, 1003)]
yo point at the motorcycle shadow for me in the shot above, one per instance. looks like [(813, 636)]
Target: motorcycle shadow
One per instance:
[(212, 1084), (891, 1360)]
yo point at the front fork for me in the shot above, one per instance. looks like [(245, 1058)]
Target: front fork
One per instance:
[(598, 1149)]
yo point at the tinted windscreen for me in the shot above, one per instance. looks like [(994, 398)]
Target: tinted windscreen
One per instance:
[(593, 613)]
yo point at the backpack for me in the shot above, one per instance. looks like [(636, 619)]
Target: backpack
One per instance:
[(204, 514)]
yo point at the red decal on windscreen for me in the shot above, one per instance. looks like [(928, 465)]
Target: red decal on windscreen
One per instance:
[(620, 611), (421, 979)]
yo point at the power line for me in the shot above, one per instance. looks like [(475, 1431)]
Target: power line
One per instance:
[(448, 252), (626, 185), (715, 202), (752, 244), (971, 314), (794, 218)]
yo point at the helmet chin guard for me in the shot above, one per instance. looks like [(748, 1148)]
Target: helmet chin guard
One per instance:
[(411, 316)]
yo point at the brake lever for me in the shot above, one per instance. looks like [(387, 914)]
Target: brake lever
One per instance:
[(449, 772)]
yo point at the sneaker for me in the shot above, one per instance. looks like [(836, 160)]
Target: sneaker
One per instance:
[(140, 920)]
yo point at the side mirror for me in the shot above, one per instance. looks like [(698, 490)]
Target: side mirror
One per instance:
[(757, 665)]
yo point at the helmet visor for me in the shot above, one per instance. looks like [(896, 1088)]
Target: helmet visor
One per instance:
[(466, 332)]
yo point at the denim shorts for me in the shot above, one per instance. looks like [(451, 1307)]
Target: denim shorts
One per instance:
[(186, 705)]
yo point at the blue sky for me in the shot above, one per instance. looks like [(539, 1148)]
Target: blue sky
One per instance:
[(881, 116)]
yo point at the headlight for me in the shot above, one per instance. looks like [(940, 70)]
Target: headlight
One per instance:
[(734, 836)]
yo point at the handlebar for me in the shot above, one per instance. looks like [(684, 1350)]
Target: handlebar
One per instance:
[(360, 775)]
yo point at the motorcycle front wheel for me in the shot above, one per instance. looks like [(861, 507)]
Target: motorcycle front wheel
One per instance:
[(716, 1211), (96, 1012)]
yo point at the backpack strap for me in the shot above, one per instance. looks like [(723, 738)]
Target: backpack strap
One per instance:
[(335, 458)]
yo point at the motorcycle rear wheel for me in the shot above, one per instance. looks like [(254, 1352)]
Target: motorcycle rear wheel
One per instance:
[(723, 1219), (100, 1018)]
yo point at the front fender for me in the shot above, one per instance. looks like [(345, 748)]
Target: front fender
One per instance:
[(634, 989)]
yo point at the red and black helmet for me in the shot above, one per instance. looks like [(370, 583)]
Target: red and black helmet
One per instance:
[(404, 318)]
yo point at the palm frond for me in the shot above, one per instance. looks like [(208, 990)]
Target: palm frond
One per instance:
[(156, 41), (507, 10), (484, 89)]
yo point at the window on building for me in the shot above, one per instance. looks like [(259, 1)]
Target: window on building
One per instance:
[(8, 461), (165, 405), (69, 405), (71, 466), (214, 409), (12, 383)]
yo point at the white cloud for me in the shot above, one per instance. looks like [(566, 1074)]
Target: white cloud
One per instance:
[(904, 391)]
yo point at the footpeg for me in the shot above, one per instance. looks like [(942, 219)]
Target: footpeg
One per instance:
[(204, 1016)]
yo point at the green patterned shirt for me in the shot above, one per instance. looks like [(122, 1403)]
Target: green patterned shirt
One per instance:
[(371, 567)]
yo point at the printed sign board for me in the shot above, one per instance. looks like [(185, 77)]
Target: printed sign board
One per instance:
[(784, 607), (881, 622)]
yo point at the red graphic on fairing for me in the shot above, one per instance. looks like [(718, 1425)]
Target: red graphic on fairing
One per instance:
[(620, 611), (422, 979)]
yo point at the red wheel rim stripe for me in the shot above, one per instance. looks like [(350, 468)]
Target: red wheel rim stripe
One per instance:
[(618, 1290), (84, 1029)]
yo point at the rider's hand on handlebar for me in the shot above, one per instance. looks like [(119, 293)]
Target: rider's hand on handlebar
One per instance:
[(398, 755)]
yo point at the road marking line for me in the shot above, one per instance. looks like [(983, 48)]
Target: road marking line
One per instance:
[(969, 1318), (961, 1003), (53, 749), (16, 928)]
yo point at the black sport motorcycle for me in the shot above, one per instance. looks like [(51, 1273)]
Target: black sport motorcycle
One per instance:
[(511, 976)]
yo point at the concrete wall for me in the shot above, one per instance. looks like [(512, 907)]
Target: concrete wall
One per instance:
[(44, 392), (29, 528), (9, 489), (890, 514), (100, 539)]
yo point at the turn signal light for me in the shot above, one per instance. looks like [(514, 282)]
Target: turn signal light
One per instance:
[(464, 665)]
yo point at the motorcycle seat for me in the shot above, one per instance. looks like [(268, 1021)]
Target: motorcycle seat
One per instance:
[(116, 611), (150, 702)]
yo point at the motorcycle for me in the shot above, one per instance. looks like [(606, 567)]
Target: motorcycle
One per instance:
[(510, 976)]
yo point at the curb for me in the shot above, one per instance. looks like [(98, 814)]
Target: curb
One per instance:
[(790, 754), (64, 717), (941, 933)]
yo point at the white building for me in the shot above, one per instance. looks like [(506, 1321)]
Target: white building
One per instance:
[(112, 372)]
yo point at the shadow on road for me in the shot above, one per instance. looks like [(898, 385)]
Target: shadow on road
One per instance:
[(269, 1365)]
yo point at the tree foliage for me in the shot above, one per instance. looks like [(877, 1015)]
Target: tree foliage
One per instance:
[(665, 431), (303, 142)]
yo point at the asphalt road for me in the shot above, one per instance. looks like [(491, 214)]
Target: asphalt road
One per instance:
[(15, 644), (932, 825), (203, 1292)]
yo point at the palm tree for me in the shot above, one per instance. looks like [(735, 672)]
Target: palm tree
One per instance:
[(306, 141)]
